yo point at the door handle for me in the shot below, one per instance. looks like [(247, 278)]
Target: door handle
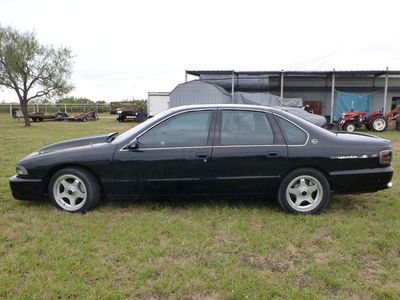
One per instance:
[(202, 156), (272, 154)]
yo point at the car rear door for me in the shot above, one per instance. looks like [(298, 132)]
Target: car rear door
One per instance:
[(172, 157), (249, 152)]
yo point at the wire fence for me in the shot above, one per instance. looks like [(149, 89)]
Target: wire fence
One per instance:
[(54, 108)]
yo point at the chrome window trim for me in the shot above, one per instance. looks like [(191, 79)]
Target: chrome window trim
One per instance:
[(246, 109), (244, 146), (124, 148), (308, 135), (206, 147), (169, 148)]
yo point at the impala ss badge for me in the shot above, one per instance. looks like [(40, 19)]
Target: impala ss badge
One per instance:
[(314, 141), (350, 156)]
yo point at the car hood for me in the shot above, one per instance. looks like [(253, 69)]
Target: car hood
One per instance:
[(94, 139)]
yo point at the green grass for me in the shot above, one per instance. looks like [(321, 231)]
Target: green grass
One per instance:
[(192, 249)]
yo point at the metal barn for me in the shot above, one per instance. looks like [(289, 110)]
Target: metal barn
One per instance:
[(327, 92)]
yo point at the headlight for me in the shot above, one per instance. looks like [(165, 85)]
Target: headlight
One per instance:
[(21, 170)]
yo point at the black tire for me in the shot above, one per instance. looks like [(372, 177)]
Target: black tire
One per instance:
[(379, 124), (40, 119), (305, 192), (87, 186), (349, 126)]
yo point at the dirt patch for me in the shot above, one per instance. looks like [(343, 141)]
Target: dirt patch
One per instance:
[(204, 295), (149, 296), (302, 282), (254, 260), (278, 266), (221, 237), (371, 270), (173, 258)]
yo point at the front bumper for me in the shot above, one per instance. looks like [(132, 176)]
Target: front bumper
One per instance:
[(26, 189), (362, 181)]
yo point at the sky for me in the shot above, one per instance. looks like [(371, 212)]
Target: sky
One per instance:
[(124, 49)]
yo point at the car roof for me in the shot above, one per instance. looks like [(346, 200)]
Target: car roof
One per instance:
[(234, 106)]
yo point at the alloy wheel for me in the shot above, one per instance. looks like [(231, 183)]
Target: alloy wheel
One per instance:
[(70, 192), (304, 193)]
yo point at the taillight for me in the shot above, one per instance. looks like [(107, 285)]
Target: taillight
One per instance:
[(385, 157)]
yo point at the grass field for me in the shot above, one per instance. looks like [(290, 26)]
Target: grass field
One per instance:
[(192, 249)]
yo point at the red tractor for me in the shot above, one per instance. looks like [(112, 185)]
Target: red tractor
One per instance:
[(375, 121)]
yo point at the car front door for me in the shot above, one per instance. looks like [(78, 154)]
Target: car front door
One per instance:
[(249, 152), (171, 157)]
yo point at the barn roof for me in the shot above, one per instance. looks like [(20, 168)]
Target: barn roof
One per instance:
[(369, 73)]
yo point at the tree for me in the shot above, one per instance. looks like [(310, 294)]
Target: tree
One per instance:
[(74, 100), (33, 70)]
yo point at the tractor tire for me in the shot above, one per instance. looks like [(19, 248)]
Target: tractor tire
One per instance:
[(349, 126), (379, 124)]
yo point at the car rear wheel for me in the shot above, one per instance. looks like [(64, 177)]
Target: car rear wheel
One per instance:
[(304, 191), (74, 190)]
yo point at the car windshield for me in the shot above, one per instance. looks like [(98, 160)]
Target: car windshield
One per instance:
[(127, 135)]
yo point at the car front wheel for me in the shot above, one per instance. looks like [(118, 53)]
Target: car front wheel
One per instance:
[(74, 190), (304, 191)]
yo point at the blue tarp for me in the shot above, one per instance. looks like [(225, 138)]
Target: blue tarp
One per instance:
[(352, 102)]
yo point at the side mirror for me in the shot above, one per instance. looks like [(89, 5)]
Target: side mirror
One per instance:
[(133, 145)]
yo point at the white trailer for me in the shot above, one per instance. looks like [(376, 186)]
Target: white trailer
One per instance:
[(157, 102)]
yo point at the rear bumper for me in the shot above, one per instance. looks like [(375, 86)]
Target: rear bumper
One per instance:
[(361, 181), (26, 189)]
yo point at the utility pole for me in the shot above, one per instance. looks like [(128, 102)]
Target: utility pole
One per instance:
[(333, 95)]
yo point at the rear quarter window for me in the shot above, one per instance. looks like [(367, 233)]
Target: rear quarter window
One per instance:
[(293, 134)]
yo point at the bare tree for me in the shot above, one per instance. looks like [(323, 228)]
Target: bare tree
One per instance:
[(33, 70)]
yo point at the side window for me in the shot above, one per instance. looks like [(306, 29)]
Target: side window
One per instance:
[(245, 128), (293, 134), (187, 129)]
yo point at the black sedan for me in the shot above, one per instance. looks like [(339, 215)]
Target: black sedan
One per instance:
[(204, 150)]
